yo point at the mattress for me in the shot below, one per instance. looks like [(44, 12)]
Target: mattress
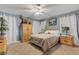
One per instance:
[(45, 41)]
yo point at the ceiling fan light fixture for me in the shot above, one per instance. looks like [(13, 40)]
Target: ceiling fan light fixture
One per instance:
[(38, 13)]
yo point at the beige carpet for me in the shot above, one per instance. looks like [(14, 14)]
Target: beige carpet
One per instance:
[(28, 49), (23, 49)]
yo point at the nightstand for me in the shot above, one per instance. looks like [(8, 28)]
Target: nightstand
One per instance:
[(2, 46), (66, 39)]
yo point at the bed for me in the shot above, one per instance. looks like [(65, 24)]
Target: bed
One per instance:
[(45, 40)]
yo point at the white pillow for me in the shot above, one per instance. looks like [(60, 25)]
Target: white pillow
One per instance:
[(51, 31), (48, 31), (54, 32)]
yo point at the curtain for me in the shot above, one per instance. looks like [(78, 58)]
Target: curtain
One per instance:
[(12, 33), (77, 16), (70, 21)]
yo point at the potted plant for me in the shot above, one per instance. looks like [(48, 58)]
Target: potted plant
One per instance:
[(3, 28), (65, 30)]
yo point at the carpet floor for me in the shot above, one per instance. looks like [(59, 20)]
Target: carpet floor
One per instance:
[(29, 49)]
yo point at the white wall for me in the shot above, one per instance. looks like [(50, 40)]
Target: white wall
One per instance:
[(36, 27)]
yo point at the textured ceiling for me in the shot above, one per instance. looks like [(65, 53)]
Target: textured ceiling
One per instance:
[(48, 10)]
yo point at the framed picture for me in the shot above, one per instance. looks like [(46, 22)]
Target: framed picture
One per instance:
[(53, 22)]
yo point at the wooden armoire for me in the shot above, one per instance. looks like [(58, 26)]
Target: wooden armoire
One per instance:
[(25, 31)]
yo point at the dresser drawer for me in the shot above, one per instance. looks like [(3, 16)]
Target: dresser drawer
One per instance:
[(65, 37), (67, 40)]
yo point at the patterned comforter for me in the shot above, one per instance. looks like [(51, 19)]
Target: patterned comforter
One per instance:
[(45, 41)]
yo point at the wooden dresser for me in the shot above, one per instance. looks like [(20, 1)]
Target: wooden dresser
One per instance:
[(26, 31), (66, 39), (3, 44)]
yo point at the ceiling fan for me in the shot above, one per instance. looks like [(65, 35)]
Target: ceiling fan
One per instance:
[(39, 9), (36, 9)]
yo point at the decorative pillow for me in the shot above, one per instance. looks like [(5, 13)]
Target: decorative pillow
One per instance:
[(54, 32), (51, 31), (48, 31)]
